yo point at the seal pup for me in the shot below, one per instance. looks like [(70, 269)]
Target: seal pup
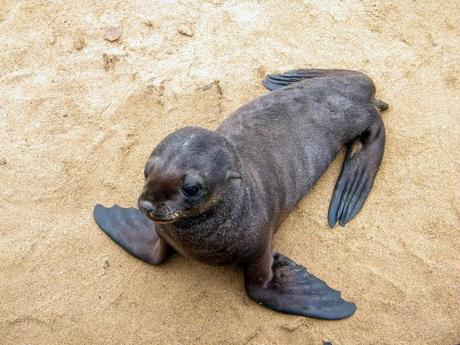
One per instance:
[(219, 196)]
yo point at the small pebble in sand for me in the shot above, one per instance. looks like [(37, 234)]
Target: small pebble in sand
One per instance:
[(53, 39), (261, 72), (113, 33), (292, 325), (148, 22), (186, 30), (109, 185), (79, 42), (106, 264), (3, 161), (109, 61)]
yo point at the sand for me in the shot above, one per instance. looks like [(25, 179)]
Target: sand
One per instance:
[(80, 113)]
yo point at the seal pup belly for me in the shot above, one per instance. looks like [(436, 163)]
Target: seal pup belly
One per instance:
[(219, 196)]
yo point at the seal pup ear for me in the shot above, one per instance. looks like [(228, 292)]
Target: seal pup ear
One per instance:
[(148, 166), (232, 175)]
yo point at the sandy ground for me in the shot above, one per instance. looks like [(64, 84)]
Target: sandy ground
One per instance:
[(79, 115)]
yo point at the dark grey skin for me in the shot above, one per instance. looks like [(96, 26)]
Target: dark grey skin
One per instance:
[(219, 196)]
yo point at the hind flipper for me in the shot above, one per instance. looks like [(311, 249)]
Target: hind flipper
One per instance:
[(359, 168), (134, 232), (293, 290), (276, 81)]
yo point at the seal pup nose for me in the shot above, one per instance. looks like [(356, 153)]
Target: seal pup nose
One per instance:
[(146, 206)]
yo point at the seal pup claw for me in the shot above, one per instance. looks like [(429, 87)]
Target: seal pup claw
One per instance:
[(219, 196)]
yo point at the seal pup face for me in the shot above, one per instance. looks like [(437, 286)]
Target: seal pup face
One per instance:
[(186, 174)]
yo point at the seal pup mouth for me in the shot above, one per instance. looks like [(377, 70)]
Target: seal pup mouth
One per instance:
[(166, 219)]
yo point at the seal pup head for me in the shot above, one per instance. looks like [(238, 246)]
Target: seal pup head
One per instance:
[(186, 174)]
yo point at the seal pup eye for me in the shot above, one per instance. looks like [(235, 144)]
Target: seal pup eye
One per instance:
[(191, 189)]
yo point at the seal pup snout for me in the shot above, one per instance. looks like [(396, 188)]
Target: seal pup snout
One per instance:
[(146, 206), (160, 212)]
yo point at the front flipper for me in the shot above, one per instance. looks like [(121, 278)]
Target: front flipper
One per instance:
[(293, 290), (134, 232), (359, 168)]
